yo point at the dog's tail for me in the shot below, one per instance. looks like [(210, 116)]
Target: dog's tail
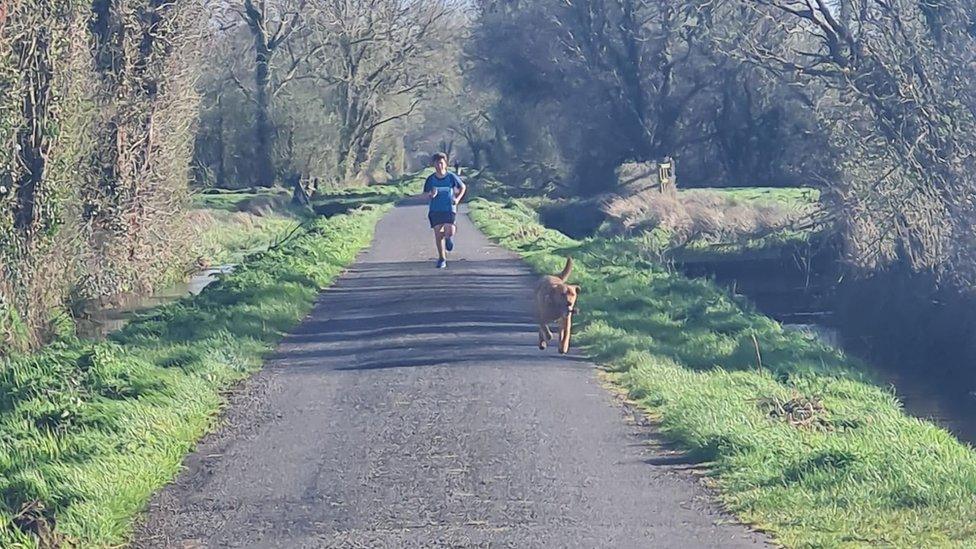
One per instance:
[(567, 269)]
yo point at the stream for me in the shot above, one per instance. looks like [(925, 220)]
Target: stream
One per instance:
[(99, 320)]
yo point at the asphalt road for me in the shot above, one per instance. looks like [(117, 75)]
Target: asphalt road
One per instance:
[(413, 409)]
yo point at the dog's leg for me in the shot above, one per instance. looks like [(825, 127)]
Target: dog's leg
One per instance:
[(543, 340), (565, 327)]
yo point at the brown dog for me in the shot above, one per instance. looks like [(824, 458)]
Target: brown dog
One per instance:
[(556, 300)]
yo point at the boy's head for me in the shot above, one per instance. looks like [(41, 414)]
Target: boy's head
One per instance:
[(439, 161)]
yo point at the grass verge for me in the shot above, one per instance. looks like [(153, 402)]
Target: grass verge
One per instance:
[(799, 441), (232, 224), (88, 430), (224, 237), (339, 200)]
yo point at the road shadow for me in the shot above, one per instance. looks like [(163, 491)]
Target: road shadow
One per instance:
[(383, 315)]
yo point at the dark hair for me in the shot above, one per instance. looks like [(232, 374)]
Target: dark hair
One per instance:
[(438, 156)]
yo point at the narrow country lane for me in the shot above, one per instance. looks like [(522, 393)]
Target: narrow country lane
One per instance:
[(412, 409)]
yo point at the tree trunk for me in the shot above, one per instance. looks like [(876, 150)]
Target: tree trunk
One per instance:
[(399, 158), (629, 68), (221, 145), (34, 51), (364, 146), (348, 129), (263, 130), (476, 157), (108, 56), (352, 159)]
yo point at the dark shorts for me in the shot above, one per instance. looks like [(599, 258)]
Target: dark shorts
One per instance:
[(440, 218)]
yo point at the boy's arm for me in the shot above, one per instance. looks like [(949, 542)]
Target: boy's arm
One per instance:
[(460, 194), (429, 190)]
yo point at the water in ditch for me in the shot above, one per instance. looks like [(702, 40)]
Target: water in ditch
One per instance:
[(803, 303), (100, 320)]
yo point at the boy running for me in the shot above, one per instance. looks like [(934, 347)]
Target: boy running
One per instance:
[(444, 190)]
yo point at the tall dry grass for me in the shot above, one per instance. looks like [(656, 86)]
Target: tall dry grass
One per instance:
[(707, 216)]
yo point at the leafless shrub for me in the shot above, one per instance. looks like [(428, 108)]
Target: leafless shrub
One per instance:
[(144, 57), (97, 110)]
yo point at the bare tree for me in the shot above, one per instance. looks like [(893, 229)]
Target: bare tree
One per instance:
[(599, 82), (649, 58), (457, 110), (382, 56), (273, 27), (893, 80)]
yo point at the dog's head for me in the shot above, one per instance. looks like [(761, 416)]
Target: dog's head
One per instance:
[(568, 294)]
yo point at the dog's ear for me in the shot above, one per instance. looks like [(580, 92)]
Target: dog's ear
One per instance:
[(579, 289)]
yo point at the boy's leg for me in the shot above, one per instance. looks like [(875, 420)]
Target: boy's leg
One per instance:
[(439, 243), (449, 230)]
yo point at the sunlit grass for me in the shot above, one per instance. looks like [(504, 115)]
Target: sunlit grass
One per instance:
[(232, 200), (226, 231), (793, 197), (224, 237), (88, 430), (863, 474)]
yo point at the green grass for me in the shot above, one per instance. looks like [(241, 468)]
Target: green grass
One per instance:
[(225, 237), (231, 200), (236, 200), (794, 197), (408, 185), (717, 232), (779, 244), (88, 430), (863, 474), (339, 200), (225, 234)]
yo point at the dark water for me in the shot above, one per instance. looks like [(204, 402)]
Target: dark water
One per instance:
[(99, 321), (941, 400), (803, 301)]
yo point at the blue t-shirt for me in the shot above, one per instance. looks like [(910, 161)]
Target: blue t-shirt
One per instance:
[(446, 186)]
